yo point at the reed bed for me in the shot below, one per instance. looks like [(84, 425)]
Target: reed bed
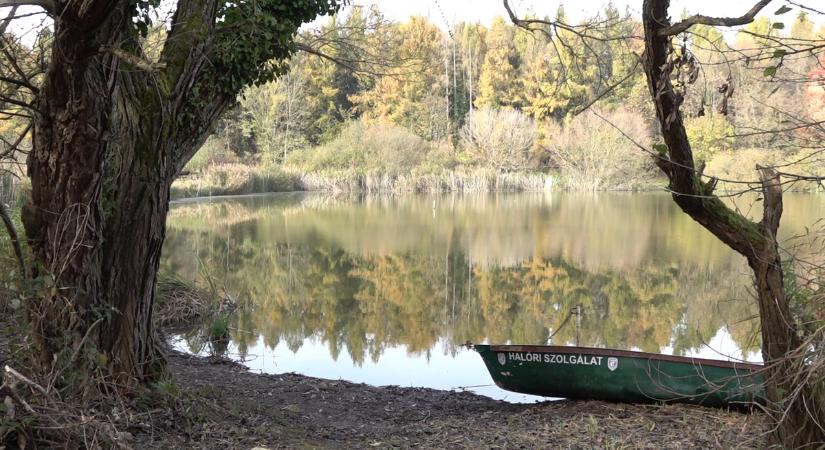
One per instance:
[(234, 179), (446, 181), (238, 179)]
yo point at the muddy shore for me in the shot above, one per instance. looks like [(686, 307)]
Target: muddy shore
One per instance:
[(244, 410), (218, 404)]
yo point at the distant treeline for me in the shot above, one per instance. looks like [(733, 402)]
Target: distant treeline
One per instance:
[(413, 98)]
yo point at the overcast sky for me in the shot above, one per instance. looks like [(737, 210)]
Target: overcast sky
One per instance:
[(444, 12), (484, 10)]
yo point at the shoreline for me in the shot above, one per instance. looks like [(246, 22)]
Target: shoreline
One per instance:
[(297, 411), (215, 403)]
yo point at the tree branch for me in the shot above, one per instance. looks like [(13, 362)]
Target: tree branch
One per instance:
[(187, 43), (581, 31), (16, 102), (15, 241), (693, 196), (699, 19), (19, 83), (608, 90), (772, 195), (133, 60), (5, 23), (48, 5)]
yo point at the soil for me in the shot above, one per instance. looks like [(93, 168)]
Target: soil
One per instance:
[(231, 407)]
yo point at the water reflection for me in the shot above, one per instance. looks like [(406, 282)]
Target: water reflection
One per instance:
[(366, 278)]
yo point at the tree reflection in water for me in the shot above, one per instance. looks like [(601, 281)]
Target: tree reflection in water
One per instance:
[(367, 274)]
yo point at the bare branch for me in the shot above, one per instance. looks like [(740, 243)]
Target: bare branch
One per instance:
[(133, 60), (19, 83), (633, 71), (584, 31), (16, 102), (48, 5), (15, 241), (699, 19), (7, 20)]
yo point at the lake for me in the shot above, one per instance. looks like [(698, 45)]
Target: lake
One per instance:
[(386, 290)]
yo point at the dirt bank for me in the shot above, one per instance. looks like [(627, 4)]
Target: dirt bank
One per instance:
[(239, 409), (218, 404)]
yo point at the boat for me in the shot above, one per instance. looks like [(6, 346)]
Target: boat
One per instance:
[(621, 375)]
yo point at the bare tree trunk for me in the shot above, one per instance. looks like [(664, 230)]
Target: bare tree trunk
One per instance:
[(794, 426)]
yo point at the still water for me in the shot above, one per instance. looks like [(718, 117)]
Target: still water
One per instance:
[(385, 290)]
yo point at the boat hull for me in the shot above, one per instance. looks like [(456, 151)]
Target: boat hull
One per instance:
[(621, 376)]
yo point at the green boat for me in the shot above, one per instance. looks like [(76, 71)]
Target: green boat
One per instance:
[(622, 376)]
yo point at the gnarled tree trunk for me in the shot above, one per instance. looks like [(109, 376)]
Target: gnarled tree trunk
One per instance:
[(111, 132), (757, 241), (108, 140), (100, 189)]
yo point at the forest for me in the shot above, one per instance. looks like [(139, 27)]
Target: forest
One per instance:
[(379, 105)]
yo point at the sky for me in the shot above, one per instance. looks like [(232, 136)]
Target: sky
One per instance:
[(445, 13), (440, 11)]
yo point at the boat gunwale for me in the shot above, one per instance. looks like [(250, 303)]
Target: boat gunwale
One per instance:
[(595, 351)]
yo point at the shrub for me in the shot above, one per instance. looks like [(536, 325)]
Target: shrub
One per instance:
[(234, 179), (213, 151), (374, 147), (740, 165), (499, 138), (593, 155), (709, 135)]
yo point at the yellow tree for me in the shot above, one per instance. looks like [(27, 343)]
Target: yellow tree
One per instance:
[(497, 84), (412, 95)]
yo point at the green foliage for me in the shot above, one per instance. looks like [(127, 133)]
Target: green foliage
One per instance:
[(275, 114), (709, 136), (10, 276), (381, 147), (498, 83), (252, 44), (213, 152), (219, 328), (547, 92), (255, 36), (414, 99)]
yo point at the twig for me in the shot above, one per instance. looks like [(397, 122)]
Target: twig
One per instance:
[(17, 397), (19, 376), (15, 241), (74, 354)]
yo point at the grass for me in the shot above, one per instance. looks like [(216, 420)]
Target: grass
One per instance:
[(461, 180), (234, 179), (238, 179), (181, 302), (219, 328), (9, 268)]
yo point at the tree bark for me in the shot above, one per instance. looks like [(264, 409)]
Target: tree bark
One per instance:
[(111, 132), (95, 222), (108, 140), (794, 424)]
